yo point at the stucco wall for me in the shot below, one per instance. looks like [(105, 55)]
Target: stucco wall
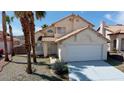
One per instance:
[(49, 33), (37, 35), (71, 25), (107, 36), (84, 37), (52, 48)]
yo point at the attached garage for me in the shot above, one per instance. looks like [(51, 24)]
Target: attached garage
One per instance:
[(83, 52), (83, 46)]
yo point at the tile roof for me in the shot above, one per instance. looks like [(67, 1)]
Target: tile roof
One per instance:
[(78, 31), (115, 28), (71, 34)]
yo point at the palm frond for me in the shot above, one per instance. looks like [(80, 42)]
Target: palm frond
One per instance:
[(7, 19), (40, 14)]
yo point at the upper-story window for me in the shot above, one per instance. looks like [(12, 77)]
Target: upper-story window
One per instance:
[(60, 30), (50, 31)]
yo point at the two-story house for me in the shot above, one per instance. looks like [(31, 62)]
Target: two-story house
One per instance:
[(72, 38)]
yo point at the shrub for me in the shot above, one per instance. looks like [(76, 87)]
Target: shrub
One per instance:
[(114, 50), (60, 68)]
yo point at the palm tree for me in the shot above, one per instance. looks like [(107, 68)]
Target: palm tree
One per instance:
[(22, 15), (9, 20), (5, 35), (44, 26), (27, 22), (38, 15)]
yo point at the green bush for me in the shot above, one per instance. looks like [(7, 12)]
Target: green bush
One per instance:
[(114, 50), (60, 68)]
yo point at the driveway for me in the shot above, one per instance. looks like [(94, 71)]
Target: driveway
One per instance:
[(93, 71)]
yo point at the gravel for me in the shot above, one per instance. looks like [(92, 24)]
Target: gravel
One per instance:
[(16, 70)]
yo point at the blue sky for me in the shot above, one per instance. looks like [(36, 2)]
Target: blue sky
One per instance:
[(94, 17)]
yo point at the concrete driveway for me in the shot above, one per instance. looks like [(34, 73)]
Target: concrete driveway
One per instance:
[(93, 71)]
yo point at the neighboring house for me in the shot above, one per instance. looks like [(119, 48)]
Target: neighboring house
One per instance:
[(16, 41), (115, 33), (72, 39)]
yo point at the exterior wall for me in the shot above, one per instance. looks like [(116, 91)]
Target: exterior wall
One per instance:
[(52, 48), (50, 33), (71, 23), (37, 35), (46, 48), (39, 48), (104, 50), (105, 33), (84, 37), (107, 36)]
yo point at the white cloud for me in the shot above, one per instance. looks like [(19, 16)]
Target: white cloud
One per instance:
[(118, 18), (108, 16), (37, 28)]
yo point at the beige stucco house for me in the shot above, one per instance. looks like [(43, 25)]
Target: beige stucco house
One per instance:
[(72, 38), (115, 33)]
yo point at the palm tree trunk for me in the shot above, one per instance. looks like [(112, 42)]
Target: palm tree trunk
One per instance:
[(4, 35), (11, 41), (26, 30), (32, 29)]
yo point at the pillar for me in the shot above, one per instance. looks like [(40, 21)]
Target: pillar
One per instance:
[(118, 44), (45, 49)]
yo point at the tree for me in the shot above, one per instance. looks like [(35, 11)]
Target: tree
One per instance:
[(28, 26), (9, 20), (38, 15), (5, 35), (44, 26), (22, 15)]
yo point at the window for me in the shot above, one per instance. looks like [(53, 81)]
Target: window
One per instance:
[(50, 31), (61, 30)]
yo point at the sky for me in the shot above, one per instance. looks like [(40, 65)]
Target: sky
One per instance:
[(95, 17)]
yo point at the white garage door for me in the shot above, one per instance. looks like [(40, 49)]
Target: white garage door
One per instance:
[(83, 52)]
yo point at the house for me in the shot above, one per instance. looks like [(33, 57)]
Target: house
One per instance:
[(16, 41), (72, 38), (115, 33)]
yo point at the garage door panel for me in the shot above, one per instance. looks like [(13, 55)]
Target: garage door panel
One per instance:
[(83, 52)]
